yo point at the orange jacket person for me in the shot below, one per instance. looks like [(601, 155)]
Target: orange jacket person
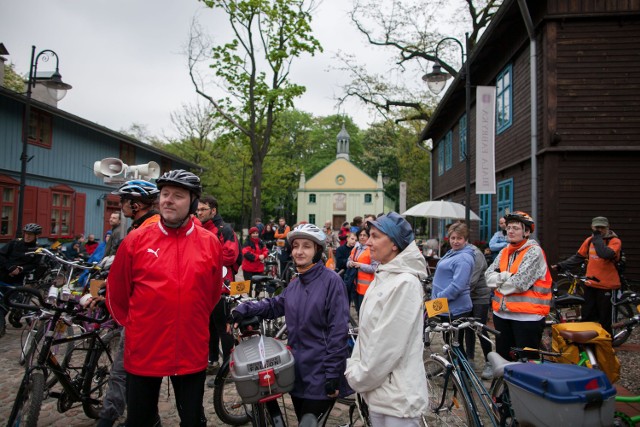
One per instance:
[(600, 251)]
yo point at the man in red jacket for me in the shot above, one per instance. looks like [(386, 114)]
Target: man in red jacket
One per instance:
[(162, 287)]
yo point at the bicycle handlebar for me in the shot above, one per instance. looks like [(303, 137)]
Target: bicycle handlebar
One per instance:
[(69, 307), (570, 275), (462, 323), (75, 264), (627, 322)]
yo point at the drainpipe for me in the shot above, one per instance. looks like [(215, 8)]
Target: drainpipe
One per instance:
[(534, 108)]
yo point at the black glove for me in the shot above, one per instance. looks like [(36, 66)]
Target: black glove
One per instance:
[(249, 256), (331, 385), (235, 317)]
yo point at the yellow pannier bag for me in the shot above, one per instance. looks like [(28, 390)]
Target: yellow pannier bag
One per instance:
[(605, 355)]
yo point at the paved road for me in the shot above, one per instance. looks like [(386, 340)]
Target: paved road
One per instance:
[(11, 373)]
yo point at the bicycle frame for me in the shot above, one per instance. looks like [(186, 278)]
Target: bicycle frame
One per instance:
[(458, 369)]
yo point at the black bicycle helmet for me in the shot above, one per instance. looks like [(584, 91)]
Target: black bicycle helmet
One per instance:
[(138, 189), (181, 178), (522, 217), (32, 228)]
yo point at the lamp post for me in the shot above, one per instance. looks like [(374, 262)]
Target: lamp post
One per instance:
[(57, 89), (436, 80)]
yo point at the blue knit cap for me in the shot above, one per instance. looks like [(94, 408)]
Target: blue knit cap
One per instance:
[(396, 228)]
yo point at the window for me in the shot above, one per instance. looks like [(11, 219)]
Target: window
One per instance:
[(60, 213), (128, 153), (367, 198), (462, 128), (505, 197), (312, 218), (448, 147), (440, 159), (485, 217), (40, 128), (504, 99), (312, 198), (7, 209)]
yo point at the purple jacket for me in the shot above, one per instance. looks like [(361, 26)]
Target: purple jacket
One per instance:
[(316, 311)]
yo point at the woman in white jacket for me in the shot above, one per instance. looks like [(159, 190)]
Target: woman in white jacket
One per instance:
[(386, 365)]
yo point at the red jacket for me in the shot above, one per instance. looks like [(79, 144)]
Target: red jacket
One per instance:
[(251, 256), (162, 287), (229, 242)]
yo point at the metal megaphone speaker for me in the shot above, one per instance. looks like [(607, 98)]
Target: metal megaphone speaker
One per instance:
[(147, 171), (108, 167)]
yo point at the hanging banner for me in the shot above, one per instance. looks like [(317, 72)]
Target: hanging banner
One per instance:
[(485, 140)]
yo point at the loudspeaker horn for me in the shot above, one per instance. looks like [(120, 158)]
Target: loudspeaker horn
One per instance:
[(108, 167), (149, 170)]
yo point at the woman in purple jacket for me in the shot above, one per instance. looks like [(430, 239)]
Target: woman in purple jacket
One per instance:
[(316, 311)]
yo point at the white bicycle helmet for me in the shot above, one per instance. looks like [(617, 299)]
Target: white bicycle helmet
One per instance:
[(308, 231)]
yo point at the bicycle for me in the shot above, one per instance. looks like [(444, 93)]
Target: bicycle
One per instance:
[(83, 379), (622, 329), (61, 276), (456, 395), (572, 284)]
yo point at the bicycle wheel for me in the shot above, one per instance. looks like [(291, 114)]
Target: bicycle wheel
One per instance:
[(95, 383), (502, 408), (564, 286), (26, 408), (480, 397), (226, 401), (447, 405), (621, 335)]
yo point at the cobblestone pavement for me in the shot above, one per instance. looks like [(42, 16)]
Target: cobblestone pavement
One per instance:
[(11, 374)]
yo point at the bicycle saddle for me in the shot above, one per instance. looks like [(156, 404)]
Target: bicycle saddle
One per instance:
[(580, 337), (261, 279), (498, 362)]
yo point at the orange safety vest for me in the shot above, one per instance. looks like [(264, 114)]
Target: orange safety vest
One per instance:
[(364, 279), (535, 300)]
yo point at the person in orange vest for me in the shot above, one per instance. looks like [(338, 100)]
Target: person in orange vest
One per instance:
[(360, 259), (522, 287), (600, 251)]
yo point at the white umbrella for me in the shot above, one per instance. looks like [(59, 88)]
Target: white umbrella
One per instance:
[(440, 209)]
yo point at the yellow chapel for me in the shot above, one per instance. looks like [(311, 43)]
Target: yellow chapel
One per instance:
[(341, 191)]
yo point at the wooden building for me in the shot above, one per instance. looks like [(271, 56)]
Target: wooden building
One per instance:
[(62, 193), (586, 126)]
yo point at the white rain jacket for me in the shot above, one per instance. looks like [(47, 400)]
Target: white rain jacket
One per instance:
[(386, 365)]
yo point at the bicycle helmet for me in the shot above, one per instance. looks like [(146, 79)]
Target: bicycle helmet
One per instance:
[(138, 190), (522, 217), (32, 228), (308, 231), (181, 178)]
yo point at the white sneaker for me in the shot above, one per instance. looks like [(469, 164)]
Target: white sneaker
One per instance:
[(487, 372)]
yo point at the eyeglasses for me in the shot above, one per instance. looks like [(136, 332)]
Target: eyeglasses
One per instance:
[(513, 227)]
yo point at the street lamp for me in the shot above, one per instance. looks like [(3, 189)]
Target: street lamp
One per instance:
[(436, 80), (57, 90)]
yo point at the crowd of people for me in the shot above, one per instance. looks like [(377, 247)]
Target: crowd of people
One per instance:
[(166, 282)]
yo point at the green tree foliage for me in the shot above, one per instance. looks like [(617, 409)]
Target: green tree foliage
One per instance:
[(12, 80), (391, 148), (253, 68)]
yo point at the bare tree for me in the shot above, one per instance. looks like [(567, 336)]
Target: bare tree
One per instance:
[(411, 30)]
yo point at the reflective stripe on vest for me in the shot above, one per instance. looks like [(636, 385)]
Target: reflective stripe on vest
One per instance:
[(535, 300), (364, 279)]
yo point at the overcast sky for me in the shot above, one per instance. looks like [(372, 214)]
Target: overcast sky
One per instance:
[(125, 58)]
